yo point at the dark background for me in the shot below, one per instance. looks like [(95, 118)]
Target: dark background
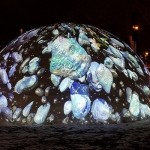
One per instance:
[(115, 16)]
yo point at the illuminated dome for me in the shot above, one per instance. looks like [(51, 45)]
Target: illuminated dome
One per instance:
[(71, 73)]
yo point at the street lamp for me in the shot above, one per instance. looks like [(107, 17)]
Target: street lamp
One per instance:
[(146, 55), (135, 29)]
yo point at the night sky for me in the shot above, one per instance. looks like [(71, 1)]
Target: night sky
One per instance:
[(115, 16)]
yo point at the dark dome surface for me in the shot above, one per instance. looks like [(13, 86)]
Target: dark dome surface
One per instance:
[(66, 73)]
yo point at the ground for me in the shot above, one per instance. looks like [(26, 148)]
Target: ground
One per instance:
[(134, 135)]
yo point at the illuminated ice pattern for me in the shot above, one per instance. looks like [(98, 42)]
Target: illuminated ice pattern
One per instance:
[(72, 73)]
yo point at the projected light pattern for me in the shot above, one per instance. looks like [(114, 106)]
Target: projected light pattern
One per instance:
[(70, 73)]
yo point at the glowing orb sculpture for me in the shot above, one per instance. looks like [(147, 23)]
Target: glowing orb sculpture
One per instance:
[(68, 73)]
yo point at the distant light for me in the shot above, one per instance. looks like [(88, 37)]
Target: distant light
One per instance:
[(146, 54), (21, 30), (135, 27)]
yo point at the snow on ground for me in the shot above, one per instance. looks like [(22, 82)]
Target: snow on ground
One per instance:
[(134, 135)]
